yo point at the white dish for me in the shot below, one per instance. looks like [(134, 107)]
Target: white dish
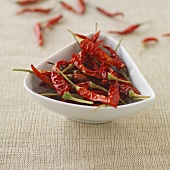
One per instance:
[(90, 114)]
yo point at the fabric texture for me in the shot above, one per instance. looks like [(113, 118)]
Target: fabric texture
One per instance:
[(32, 137)]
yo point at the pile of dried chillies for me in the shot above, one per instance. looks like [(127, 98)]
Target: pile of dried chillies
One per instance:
[(91, 77)]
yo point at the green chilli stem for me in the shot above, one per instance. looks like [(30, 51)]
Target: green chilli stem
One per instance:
[(23, 70), (111, 77), (68, 96), (133, 95), (67, 68), (118, 44), (93, 85)]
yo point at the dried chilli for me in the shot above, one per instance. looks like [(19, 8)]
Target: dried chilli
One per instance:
[(36, 10), (109, 14), (149, 40), (26, 2), (127, 30)]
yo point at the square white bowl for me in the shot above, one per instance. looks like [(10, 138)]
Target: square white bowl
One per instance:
[(89, 114)]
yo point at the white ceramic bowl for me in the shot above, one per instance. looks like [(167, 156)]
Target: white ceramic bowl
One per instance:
[(90, 114)]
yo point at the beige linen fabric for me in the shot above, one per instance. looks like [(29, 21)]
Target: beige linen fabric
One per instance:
[(32, 137)]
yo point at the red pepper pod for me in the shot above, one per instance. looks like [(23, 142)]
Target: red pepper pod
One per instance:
[(124, 89), (166, 35), (127, 30), (149, 40), (36, 10), (93, 50), (59, 83), (44, 77), (78, 77), (82, 6), (53, 21), (68, 7), (113, 93), (115, 56), (76, 59), (60, 64), (26, 2), (38, 32), (109, 14)]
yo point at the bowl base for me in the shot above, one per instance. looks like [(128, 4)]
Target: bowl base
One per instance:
[(88, 121)]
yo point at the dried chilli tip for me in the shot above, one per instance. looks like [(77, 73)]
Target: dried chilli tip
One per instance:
[(109, 14), (38, 32), (53, 21), (68, 7), (36, 10), (149, 40), (127, 30)]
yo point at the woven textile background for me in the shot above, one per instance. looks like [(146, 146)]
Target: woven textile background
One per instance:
[(32, 137)]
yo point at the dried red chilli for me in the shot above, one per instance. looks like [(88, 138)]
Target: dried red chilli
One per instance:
[(43, 77), (76, 59), (62, 88), (127, 30), (36, 10), (59, 83), (82, 6), (26, 2), (78, 77), (128, 91), (109, 14), (166, 35), (113, 93), (68, 7), (94, 50), (53, 21), (38, 32), (148, 40)]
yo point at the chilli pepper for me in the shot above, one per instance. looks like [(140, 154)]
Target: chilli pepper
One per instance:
[(78, 77), (44, 77), (26, 2), (113, 93), (68, 7), (38, 32), (53, 21), (37, 10), (166, 35), (62, 88), (62, 64), (115, 56), (148, 40), (82, 6), (59, 83), (76, 59), (128, 91), (128, 30), (93, 50), (109, 14)]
